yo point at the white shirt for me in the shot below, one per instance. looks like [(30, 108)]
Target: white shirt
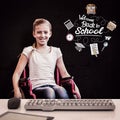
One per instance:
[(42, 65)]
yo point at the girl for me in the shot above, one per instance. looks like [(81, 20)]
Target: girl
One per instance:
[(42, 60)]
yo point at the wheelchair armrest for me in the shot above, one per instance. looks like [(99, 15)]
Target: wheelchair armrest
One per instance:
[(67, 78), (23, 82), (26, 88), (72, 89)]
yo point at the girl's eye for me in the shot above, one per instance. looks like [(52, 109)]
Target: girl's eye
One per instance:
[(40, 32), (45, 32)]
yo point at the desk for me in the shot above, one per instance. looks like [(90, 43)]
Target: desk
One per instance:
[(70, 115)]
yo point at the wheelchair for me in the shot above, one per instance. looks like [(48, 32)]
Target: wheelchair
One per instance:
[(68, 83)]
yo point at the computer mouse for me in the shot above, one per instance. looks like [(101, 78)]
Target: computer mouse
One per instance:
[(14, 103)]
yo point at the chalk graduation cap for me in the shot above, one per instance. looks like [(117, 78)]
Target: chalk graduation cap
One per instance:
[(79, 46)]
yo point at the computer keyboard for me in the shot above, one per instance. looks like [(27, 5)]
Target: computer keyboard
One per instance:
[(70, 104)]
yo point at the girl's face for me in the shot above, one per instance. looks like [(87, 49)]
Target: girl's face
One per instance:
[(42, 33)]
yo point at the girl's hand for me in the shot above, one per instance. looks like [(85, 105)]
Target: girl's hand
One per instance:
[(17, 94)]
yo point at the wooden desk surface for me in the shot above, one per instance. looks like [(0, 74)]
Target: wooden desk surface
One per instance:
[(69, 115)]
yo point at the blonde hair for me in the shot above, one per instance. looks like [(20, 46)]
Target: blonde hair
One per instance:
[(91, 5), (41, 21)]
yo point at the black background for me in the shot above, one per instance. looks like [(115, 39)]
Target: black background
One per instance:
[(95, 77)]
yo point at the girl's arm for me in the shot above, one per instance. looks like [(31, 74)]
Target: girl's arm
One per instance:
[(62, 69), (64, 73), (17, 73)]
